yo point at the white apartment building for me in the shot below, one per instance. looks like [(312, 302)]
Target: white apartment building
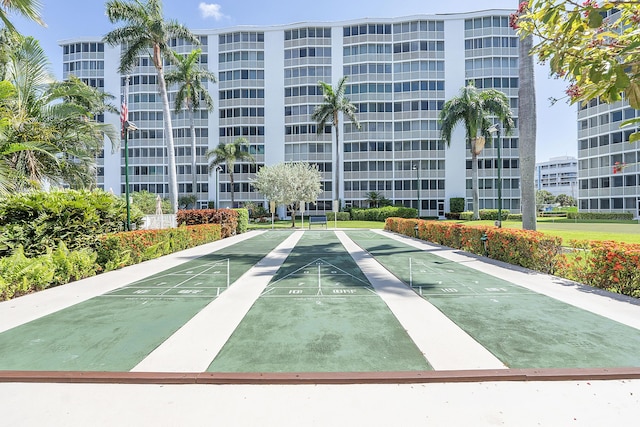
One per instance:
[(401, 71), (607, 163), (558, 175)]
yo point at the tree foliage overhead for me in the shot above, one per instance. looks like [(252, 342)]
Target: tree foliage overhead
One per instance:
[(594, 45)]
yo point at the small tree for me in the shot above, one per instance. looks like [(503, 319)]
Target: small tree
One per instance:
[(229, 154), (565, 200), (290, 184), (374, 198), (543, 197)]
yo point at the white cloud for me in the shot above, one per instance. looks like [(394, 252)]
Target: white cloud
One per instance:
[(211, 10)]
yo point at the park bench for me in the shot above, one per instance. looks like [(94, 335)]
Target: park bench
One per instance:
[(317, 220)]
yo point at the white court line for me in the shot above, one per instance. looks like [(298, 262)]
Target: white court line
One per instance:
[(442, 342), (197, 342)]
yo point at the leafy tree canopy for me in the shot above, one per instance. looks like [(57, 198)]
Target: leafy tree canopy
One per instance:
[(594, 45)]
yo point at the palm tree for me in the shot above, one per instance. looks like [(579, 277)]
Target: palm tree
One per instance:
[(229, 154), (146, 32), (527, 137), (472, 108), (191, 80), (373, 198), (27, 8), (49, 132), (334, 103)]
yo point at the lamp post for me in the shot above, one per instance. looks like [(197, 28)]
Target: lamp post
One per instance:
[(496, 129), (218, 169), (128, 126), (417, 169)]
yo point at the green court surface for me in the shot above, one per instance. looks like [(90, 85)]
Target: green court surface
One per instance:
[(319, 314), (115, 331), (520, 327)]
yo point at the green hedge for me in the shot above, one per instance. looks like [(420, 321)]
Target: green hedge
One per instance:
[(597, 215), (381, 214), (339, 216), (456, 204), (38, 221), (485, 214), (243, 220)]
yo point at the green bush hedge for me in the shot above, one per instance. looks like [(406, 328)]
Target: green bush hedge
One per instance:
[(485, 214), (597, 215), (381, 214), (456, 204), (243, 220), (339, 216), (514, 217), (40, 220)]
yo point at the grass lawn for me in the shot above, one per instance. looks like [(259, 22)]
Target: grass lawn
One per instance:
[(568, 229)]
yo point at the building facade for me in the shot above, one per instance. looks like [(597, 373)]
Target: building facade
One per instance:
[(558, 175), (607, 163), (400, 72)]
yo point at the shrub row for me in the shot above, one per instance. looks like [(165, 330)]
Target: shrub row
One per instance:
[(38, 220), (381, 214), (598, 215), (227, 218), (613, 266), (530, 249), (338, 216), (122, 249), (485, 214)]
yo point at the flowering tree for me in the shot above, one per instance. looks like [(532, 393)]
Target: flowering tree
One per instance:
[(595, 46), (289, 184)]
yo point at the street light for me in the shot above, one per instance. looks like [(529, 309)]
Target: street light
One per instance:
[(218, 169), (128, 126), (417, 169), (496, 129)]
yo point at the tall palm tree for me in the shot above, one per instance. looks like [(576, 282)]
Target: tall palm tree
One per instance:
[(527, 138), (27, 8), (146, 32), (472, 108), (191, 80), (229, 154), (334, 102), (51, 135)]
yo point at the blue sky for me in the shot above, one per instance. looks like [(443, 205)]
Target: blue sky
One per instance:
[(65, 19)]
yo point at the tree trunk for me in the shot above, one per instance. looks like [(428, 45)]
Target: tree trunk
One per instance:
[(231, 180), (474, 181), (168, 130), (337, 166), (527, 129), (194, 173)]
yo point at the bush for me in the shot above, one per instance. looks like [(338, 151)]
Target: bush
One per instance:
[(452, 215), (21, 275), (598, 215), (339, 216), (122, 249), (146, 202), (227, 218), (38, 221), (530, 249), (456, 204), (485, 214), (381, 214), (243, 220), (514, 217)]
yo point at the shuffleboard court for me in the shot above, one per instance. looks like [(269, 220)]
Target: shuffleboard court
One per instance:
[(319, 314), (115, 331), (522, 328)]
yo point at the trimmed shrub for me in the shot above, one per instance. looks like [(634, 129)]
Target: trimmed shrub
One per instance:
[(227, 218), (598, 215), (456, 204), (530, 249), (243, 220), (381, 214), (485, 214), (122, 249), (452, 215), (41, 220), (514, 217), (339, 216)]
